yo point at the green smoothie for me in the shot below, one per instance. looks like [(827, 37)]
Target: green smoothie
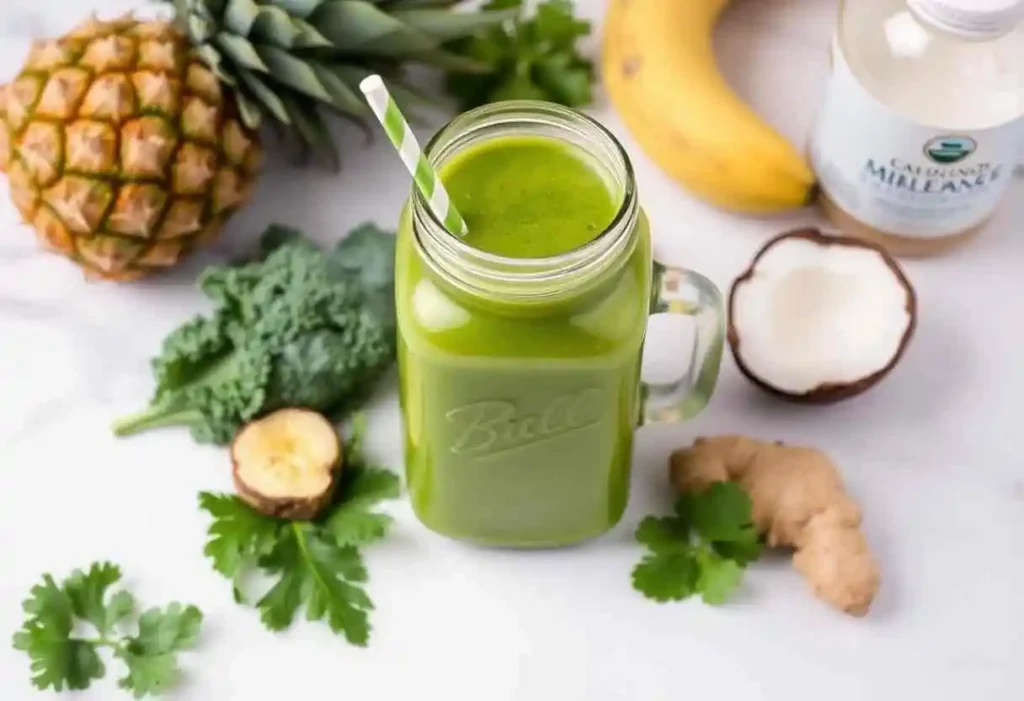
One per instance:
[(519, 427), (528, 196)]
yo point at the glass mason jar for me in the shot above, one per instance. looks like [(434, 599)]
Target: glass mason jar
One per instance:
[(520, 378)]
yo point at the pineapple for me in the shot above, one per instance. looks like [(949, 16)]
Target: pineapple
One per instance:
[(121, 149), (128, 143)]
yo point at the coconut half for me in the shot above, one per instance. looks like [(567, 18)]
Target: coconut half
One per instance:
[(819, 318)]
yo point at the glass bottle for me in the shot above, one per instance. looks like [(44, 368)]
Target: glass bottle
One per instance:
[(923, 120)]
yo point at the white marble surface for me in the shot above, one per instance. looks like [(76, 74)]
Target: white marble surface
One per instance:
[(934, 454)]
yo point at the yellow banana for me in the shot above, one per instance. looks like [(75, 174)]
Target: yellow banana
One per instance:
[(660, 72)]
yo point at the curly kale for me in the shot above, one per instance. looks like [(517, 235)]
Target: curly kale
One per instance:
[(301, 327)]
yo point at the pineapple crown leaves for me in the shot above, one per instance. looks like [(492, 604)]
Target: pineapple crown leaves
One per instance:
[(286, 59)]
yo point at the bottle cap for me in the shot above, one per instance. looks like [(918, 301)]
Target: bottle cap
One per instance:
[(972, 18)]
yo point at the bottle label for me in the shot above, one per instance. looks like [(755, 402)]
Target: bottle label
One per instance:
[(901, 177)]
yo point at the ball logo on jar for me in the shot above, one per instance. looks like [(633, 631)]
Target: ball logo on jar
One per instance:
[(489, 427)]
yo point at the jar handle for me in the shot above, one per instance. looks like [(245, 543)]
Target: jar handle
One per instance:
[(681, 291)]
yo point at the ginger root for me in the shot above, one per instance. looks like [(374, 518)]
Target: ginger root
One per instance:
[(799, 501)]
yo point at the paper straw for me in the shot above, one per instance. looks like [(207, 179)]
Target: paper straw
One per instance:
[(398, 131)]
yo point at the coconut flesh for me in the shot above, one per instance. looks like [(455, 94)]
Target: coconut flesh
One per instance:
[(820, 318)]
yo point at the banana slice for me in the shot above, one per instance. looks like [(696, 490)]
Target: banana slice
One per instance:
[(287, 463)]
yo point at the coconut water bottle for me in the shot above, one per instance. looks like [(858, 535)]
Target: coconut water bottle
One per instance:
[(922, 126)]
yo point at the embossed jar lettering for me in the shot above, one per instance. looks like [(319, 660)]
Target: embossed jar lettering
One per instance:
[(488, 427)]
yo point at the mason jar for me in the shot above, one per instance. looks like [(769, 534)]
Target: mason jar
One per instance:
[(520, 378)]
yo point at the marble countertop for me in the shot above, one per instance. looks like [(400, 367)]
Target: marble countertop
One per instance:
[(932, 454)]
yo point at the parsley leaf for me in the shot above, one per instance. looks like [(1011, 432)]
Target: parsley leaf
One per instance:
[(152, 667), (87, 592), (666, 576), (312, 565), (719, 513), (356, 524), (238, 536), (664, 535), (702, 549), (719, 578), (742, 551), (529, 58), (316, 564), (60, 659)]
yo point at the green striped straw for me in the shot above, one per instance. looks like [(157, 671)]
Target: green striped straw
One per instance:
[(398, 131)]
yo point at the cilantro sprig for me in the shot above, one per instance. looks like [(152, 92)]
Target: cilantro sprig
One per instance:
[(702, 549), (533, 58), (63, 659), (316, 565)]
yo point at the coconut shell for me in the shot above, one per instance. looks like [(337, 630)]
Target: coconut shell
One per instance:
[(827, 393)]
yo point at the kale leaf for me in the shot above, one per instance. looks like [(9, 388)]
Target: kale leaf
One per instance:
[(300, 327)]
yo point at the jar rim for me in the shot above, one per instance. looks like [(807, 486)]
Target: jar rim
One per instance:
[(528, 280), (622, 213)]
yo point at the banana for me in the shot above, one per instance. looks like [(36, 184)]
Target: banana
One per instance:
[(660, 73), (286, 464)]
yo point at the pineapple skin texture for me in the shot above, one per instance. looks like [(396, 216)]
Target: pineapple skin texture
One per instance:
[(122, 149)]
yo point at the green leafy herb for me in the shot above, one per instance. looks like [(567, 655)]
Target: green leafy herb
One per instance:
[(529, 58), (702, 549), (62, 659), (316, 565), (300, 327)]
